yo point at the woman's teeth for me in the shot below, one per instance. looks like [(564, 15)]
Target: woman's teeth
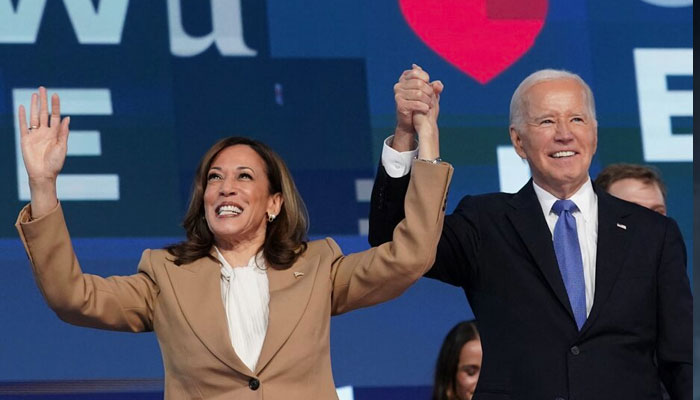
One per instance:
[(229, 210)]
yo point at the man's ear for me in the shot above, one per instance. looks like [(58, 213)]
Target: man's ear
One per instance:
[(516, 139)]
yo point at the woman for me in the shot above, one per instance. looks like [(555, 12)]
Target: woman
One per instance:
[(242, 307), (459, 363)]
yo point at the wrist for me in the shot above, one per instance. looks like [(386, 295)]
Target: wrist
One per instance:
[(426, 152), (403, 140), (429, 145), (42, 203), (437, 160), (41, 183), (427, 131)]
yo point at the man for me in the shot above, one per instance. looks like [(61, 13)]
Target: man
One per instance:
[(635, 183), (574, 289)]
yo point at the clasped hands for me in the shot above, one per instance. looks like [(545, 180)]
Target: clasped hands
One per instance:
[(417, 108)]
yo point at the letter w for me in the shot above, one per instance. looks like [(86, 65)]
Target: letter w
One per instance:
[(22, 25), (103, 25)]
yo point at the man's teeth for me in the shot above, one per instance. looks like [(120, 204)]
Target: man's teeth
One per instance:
[(229, 210), (560, 154)]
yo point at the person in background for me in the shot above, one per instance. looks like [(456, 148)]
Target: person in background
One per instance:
[(635, 183), (458, 364), (639, 184)]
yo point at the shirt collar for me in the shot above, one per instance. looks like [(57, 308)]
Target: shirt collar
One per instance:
[(584, 198), (257, 262)]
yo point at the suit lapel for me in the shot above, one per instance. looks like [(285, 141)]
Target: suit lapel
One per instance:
[(613, 241), (197, 288), (290, 291), (526, 216)]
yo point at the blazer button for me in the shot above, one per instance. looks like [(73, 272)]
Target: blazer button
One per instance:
[(575, 350), (253, 384)]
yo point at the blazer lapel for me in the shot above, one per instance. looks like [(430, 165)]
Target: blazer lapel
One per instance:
[(613, 243), (290, 291), (197, 288), (526, 216)]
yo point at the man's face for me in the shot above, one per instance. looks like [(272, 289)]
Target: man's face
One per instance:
[(558, 137), (646, 194)]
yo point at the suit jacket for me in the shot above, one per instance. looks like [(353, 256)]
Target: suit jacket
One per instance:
[(183, 304), (498, 248)]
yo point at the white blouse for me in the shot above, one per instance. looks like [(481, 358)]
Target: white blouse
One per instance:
[(246, 296)]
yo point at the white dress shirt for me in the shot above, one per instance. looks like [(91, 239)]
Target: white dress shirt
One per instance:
[(398, 164), (246, 296)]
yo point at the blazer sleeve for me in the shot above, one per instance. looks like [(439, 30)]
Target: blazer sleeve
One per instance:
[(122, 303), (384, 272), (458, 246), (675, 317)]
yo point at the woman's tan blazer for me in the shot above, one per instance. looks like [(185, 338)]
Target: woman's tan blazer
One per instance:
[(183, 304)]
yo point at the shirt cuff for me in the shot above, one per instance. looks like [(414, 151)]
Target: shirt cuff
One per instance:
[(397, 164)]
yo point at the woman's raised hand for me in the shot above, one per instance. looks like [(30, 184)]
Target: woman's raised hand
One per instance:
[(417, 109), (44, 142)]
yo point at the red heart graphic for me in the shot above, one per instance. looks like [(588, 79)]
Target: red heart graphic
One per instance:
[(480, 37)]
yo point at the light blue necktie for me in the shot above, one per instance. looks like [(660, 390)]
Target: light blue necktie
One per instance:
[(568, 252)]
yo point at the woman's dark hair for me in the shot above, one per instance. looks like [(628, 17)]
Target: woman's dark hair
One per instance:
[(285, 238), (448, 359)]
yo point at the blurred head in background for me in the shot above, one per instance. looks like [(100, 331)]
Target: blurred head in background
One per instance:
[(638, 184), (458, 364)]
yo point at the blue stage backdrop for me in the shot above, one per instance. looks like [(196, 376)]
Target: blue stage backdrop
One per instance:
[(150, 85)]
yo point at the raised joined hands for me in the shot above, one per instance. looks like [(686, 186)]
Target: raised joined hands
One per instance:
[(417, 109)]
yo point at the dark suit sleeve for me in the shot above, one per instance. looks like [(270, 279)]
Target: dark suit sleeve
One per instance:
[(455, 261), (386, 206), (458, 244), (675, 315)]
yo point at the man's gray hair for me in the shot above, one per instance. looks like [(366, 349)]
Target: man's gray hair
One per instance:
[(517, 102)]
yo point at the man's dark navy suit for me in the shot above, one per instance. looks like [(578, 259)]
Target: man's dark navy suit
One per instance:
[(498, 248)]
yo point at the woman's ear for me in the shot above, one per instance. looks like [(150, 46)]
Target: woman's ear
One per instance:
[(274, 204)]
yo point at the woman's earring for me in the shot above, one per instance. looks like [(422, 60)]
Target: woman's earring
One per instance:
[(271, 217)]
